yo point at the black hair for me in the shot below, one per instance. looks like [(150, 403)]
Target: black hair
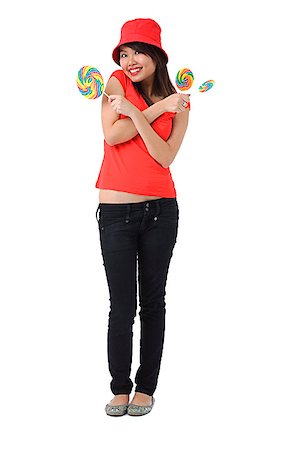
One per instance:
[(162, 86)]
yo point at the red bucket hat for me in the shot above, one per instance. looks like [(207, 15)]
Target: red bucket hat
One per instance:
[(139, 30)]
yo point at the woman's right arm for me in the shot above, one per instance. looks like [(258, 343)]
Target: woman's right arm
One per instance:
[(117, 131)]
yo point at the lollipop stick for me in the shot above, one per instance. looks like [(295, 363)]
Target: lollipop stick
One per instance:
[(106, 94)]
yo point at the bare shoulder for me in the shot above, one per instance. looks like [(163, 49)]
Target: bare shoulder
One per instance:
[(114, 86)]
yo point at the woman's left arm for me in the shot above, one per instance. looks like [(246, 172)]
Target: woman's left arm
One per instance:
[(162, 151)]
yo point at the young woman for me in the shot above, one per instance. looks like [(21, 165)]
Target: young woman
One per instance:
[(144, 122)]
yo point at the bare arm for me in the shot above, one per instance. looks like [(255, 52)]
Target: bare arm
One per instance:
[(162, 151), (117, 131)]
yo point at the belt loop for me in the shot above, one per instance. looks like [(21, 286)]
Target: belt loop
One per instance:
[(97, 212), (128, 213), (158, 210)]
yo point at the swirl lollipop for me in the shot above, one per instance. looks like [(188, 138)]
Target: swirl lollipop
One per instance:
[(206, 86), (184, 79), (90, 82)]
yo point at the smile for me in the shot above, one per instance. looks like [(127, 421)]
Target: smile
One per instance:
[(135, 71)]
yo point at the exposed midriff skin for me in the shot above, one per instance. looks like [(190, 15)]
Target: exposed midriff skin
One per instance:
[(110, 196)]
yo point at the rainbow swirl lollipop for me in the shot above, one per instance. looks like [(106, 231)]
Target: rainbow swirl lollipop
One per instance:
[(206, 86), (90, 82), (184, 79)]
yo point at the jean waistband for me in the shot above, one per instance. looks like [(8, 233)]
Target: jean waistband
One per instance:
[(147, 205)]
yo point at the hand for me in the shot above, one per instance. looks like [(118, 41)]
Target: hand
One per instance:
[(174, 102), (121, 105)]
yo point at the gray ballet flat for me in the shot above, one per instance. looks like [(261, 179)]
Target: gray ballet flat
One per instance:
[(137, 410), (116, 410)]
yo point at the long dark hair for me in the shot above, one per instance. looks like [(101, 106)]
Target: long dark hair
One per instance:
[(162, 86)]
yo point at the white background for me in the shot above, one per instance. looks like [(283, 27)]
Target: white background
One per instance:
[(228, 373)]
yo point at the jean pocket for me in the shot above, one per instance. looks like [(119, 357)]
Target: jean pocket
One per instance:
[(108, 219)]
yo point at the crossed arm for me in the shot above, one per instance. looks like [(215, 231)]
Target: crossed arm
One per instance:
[(118, 131)]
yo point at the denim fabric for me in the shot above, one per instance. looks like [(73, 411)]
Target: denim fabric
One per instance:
[(129, 232)]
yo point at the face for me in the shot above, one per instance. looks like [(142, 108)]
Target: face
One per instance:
[(136, 65)]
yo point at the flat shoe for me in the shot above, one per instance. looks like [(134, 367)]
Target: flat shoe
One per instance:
[(116, 410), (137, 410)]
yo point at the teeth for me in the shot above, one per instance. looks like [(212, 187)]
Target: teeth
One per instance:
[(134, 70)]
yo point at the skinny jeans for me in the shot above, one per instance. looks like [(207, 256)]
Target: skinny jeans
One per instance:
[(137, 242)]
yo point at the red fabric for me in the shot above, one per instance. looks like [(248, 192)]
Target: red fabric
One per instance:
[(129, 167), (139, 30)]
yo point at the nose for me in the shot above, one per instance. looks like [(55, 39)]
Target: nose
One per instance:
[(131, 60)]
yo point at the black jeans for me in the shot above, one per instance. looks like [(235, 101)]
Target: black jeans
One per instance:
[(144, 231)]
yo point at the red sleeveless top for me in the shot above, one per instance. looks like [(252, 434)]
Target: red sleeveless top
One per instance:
[(128, 166)]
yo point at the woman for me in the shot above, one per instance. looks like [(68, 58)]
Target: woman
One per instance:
[(144, 122)]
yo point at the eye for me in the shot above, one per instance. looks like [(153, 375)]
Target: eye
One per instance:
[(124, 54)]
